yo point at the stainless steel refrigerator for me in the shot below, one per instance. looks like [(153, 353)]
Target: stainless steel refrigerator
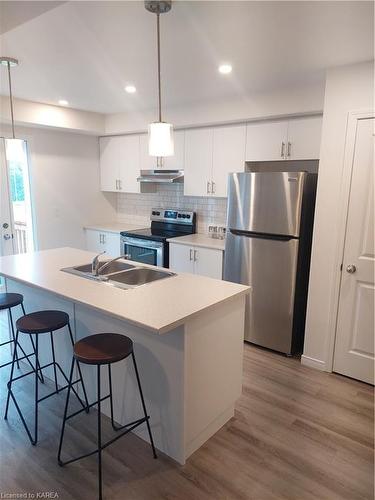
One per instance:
[(268, 245)]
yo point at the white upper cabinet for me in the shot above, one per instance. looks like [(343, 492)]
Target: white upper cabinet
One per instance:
[(177, 161), (228, 156), (295, 139), (119, 163), (198, 161), (304, 135), (147, 162), (266, 141)]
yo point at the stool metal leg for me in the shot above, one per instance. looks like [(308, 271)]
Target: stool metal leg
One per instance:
[(13, 336), (99, 438), (54, 361), (79, 371), (33, 442), (111, 398), (144, 406), (10, 379), (65, 413)]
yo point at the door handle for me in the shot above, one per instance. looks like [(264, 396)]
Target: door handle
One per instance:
[(351, 269), (195, 255), (282, 152), (289, 150), (191, 254), (116, 184), (119, 185), (208, 187), (213, 189)]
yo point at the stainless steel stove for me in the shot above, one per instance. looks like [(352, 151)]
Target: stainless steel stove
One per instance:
[(150, 245)]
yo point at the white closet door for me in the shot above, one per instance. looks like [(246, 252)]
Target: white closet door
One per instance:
[(110, 151), (354, 349), (304, 137), (198, 162), (266, 140)]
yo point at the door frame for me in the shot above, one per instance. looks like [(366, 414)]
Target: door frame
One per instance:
[(346, 180)]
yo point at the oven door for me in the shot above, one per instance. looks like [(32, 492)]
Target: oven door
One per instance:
[(144, 251)]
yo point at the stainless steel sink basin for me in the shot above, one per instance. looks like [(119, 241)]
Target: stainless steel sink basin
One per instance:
[(120, 274), (140, 276), (113, 267)]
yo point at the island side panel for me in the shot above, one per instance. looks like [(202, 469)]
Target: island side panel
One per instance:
[(160, 360), (213, 370), (36, 299)]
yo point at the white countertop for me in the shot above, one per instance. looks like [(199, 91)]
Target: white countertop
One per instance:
[(199, 240), (116, 227), (159, 306)]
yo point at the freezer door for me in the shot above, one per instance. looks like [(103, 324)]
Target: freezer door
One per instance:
[(266, 202), (269, 267)]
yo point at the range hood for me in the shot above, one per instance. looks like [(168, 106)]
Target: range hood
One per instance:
[(161, 176)]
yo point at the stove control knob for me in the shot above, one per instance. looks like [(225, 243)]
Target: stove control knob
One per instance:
[(188, 216), (153, 212), (157, 213), (179, 216)]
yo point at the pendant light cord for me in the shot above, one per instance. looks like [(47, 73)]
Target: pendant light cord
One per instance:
[(159, 77), (11, 101)]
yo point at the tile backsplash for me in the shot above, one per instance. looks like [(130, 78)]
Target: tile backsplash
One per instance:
[(136, 208)]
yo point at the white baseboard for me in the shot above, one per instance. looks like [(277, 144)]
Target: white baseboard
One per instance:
[(313, 363)]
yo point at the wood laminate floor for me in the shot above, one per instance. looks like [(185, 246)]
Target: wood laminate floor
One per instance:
[(297, 434)]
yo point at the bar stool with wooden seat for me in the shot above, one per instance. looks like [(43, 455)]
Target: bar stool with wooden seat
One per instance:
[(7, 302), (104, 349), (38, 323)]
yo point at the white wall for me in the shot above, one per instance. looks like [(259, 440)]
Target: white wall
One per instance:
[(65, 186), (348, 88), (30, 113), (281, 102)]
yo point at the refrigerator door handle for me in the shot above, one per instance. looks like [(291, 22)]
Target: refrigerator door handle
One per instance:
[(263, 236)]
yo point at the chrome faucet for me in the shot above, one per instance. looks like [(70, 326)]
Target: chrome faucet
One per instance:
[(106, 264), (95, 264)]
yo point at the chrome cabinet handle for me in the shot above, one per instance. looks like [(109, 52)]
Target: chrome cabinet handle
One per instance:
[(195, 255), (103, 238), (191, 254), (116, 183), (289, 150), (100, 238), (282, 152), (213, 189), (208, 187), (7, 237), (119, 185), (351, 269)]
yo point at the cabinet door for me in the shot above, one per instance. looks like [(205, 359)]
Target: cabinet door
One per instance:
[(109, 163), (129, 163), (264, 141), (112, 244), (228, 156), (208, 262), (198, 162), (177, 161), (181, 258), (94, 241), (147, 162), (304, 135)]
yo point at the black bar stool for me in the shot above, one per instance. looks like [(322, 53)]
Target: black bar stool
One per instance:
[(104, 349), (7, 302), (37, 323)]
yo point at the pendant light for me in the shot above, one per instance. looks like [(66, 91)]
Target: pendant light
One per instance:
[(10, 62), (160, 134)]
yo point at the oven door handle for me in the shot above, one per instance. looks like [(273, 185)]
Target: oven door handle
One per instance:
[(138, 242)]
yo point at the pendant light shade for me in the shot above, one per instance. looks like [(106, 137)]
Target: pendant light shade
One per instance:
[(160, 139), (160, 134)]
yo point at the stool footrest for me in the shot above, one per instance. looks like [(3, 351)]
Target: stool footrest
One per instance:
[(129, 427)]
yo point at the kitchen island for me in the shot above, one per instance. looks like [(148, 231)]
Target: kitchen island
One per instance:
[(188, 339)]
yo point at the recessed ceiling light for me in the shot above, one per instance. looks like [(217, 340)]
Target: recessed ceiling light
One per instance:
[(225, 69), (63, 102), (130, 89)]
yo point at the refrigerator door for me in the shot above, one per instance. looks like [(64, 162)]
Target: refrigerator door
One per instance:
[(266, 202), (269, 267)]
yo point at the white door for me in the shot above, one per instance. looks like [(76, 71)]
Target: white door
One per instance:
[(208, 262), (354, 348), (110, 154), (304, 136), (129, 163), (94, 241), (112, 244), (228, 156), (181, 258), (6, 219), (198, 162), (266, 140), (177, 161), (147, 162)]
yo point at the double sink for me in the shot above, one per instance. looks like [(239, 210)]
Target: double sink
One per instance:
[(120, 274)]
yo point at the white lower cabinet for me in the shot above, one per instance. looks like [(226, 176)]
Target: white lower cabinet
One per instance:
[(103, 241), (196, 260)]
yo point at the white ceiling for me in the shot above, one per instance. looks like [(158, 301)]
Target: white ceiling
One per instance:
[(86, 52)]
